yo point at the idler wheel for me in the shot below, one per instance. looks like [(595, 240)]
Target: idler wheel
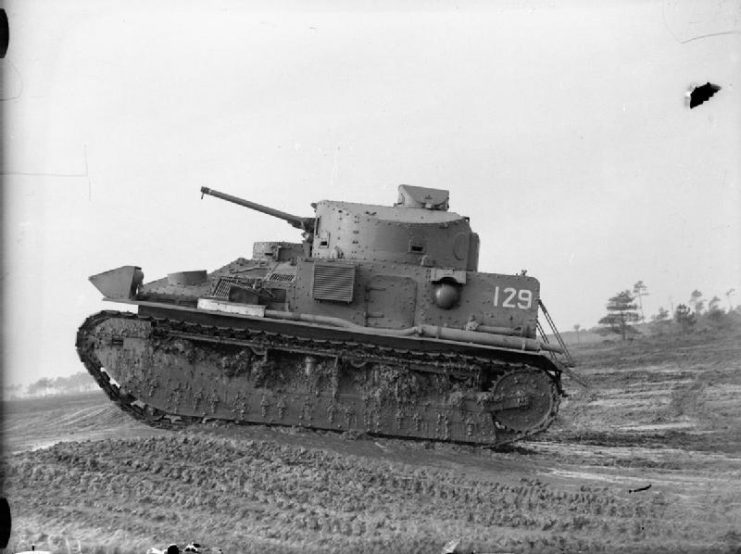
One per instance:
[(526, 399)]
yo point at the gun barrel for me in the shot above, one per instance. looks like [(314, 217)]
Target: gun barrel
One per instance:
[(303, 223)]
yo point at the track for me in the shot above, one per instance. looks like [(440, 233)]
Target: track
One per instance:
[(171, 373)]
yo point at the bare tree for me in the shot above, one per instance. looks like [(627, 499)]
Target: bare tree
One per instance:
[(696, 301), (639, 291)]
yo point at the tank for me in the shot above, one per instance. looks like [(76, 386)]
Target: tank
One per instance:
[(378, 321)]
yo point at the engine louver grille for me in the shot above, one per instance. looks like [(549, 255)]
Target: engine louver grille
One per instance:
[(281, 277), (333, 281)]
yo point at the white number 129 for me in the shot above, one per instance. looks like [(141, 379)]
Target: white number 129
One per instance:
[(524, 298)]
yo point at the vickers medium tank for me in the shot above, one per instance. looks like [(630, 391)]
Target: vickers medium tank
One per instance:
[(378, 322)]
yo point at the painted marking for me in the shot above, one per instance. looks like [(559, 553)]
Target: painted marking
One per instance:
[(513, 298)]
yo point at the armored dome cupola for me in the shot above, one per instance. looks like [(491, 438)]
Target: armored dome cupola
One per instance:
[(421, 197), (417, 230)]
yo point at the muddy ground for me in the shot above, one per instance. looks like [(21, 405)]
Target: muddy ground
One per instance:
[(648, 459)]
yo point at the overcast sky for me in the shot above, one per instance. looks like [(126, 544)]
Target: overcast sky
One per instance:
[(560, 128)]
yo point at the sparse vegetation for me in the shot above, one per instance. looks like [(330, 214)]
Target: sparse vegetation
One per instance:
[(621, 314), (639, 291), (696, 316), (684, 318), (696, 301)]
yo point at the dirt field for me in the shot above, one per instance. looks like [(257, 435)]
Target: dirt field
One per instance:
[(664, 414)]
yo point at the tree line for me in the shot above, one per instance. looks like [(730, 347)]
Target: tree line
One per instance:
[(47, 386), (625, 310)]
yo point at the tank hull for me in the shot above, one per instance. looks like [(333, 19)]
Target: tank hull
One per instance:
[(172, 366)]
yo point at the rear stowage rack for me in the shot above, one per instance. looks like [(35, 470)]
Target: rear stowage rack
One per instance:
[(567, 359)]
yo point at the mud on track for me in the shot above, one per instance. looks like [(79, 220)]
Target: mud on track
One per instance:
[(658, 413)]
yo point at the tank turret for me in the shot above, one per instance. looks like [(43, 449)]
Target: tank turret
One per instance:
[(417, 230)]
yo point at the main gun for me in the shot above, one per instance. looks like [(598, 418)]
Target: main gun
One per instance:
[(306, 224)]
